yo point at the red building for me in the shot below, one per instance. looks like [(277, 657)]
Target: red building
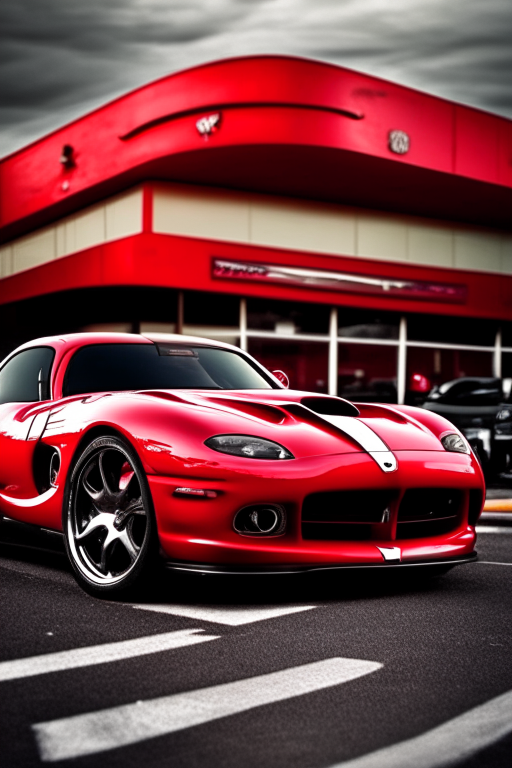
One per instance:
[(346, 229)]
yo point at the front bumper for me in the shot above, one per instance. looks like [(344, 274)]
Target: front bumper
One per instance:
[(200, 530)]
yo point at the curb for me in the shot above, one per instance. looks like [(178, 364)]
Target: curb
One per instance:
[(498, 505)]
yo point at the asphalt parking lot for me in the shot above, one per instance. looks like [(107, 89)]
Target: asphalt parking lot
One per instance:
[(289, 672)]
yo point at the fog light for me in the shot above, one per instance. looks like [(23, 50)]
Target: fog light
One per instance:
[(260, 520)]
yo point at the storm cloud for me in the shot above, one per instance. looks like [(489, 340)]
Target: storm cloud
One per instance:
[(61, 58)]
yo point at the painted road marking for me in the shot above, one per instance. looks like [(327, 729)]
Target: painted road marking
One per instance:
[(492, 529), (506, 517), (491, 562), (100, 654), (132, 723), (226, 614), (450, 743)]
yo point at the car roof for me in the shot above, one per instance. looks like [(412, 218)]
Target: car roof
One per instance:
[(66, 345), (70, 340)]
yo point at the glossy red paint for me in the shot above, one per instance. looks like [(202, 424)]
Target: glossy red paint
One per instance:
[(168, 429), (279, 116)]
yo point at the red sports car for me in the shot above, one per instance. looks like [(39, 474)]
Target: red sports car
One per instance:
[(142, 449)]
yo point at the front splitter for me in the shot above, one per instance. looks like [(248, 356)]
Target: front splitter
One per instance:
[(274, 570)]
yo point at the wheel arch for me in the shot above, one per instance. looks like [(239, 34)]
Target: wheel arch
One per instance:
[(89, 435)]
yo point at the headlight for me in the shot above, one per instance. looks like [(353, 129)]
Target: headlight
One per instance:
[(504, 414), (454, 442), (250, 447)]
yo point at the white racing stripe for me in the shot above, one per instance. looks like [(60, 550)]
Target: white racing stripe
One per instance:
[(100, 654), (366, 438), (110, 728), (450, 743), (225, 614)]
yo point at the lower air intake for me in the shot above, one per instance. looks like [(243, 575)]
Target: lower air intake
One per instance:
[(427, 512), (344, 515)]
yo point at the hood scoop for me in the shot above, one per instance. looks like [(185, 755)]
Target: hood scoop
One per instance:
[(330, 406)]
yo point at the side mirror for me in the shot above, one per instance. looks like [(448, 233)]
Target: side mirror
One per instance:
[(282, 377)]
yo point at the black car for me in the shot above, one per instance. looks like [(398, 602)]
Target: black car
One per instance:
[(472, 404), (502, 443)]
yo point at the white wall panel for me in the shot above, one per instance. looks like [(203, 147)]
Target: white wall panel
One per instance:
[(201, 213), (476, 250), (90, 228), (381, 237), (34, 249), (5, 260), (432, 245), (303, 227), (123, 216), (60, 240), (506, 254)]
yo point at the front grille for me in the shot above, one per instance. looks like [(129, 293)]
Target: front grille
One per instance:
[(476, 499), (344, 515), (428, 512)]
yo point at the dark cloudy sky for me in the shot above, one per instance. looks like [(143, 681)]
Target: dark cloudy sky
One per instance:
[(61, 58)]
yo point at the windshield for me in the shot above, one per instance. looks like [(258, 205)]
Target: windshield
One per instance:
[(118, 367)]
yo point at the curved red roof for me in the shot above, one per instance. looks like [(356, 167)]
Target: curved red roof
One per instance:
[(287, 126)]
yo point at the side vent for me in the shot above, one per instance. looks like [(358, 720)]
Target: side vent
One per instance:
[(46, 465), (330, 406)]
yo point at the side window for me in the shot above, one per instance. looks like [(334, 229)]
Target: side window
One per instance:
[(25, 378)]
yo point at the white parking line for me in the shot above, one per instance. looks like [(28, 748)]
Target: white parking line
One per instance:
[(491, 562), (450, 743), (100, 654), (492, 529), (505, 517), (110, 728), (225, 614)]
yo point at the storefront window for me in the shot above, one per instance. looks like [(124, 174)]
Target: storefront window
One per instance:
[(440, 365), (286, 317), (127, 309), (367, 372), (367, 324), (212, 315), (304, 362), (452, 330), (506, 334), (506, 365)]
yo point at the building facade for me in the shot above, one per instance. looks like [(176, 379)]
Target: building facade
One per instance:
[(352, 232)]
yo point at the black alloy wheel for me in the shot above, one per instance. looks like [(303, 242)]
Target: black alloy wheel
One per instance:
[(109, 526)]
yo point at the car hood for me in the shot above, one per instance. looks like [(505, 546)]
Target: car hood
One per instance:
[(339, 425)]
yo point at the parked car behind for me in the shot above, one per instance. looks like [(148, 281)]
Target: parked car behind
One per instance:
[(472, 404), (502, 444)]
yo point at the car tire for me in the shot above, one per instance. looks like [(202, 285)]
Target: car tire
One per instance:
[(109, 524)]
